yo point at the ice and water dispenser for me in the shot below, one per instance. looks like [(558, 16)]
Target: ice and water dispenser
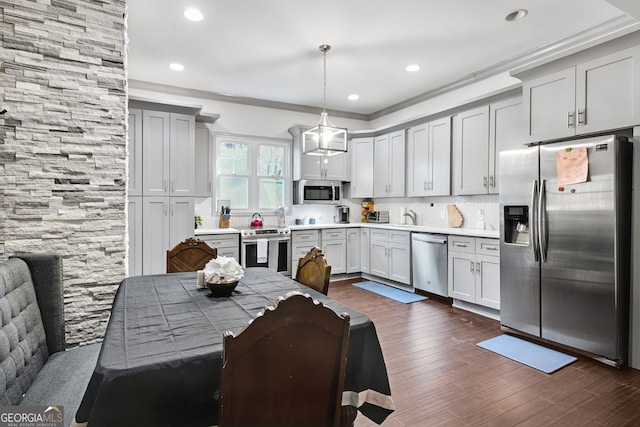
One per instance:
[(516, 225)]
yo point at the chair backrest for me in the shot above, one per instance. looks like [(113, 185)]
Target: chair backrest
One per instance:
[(286, 368), (313, 271), (189, 255)]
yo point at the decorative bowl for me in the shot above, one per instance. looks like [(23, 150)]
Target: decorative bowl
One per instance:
[(222, 289)]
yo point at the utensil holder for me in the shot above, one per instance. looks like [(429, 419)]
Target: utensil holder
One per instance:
[(224, 220)]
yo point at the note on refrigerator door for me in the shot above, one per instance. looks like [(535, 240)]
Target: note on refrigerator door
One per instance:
[(572, 166)]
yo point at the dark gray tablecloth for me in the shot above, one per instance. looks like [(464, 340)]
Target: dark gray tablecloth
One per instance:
[(160, 359)]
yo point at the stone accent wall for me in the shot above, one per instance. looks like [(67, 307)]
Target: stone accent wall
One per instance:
[(63, 146)]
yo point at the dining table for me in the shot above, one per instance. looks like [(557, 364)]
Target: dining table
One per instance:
[(160, 362)]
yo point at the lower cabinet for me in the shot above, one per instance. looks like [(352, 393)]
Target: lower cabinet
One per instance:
[(365, 250), (353, 250), (390, 255), (166, 222), (227, 244), (334, 247), (301, 242), (474, 270)]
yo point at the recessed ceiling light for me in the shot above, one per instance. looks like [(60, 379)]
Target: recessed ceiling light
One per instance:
[(413, 67), (354, 97), (176, 67), (193, 14), (516, 15)]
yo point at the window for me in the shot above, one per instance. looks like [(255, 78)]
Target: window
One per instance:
[(252, 172)]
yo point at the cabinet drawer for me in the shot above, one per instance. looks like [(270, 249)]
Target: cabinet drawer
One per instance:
[(334, 234), (403, 237), (379, 236), (221, 241), (306, 236), (488, 246), (462, 244)]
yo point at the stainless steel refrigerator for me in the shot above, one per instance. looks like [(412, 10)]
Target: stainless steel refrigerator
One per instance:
[(565, 235)]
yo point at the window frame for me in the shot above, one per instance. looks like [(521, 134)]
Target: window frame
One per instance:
[(254, 143)]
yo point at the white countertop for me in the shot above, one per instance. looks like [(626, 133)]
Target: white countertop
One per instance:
[(494, 234)]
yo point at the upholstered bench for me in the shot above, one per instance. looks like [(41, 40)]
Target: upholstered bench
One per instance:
[(35, 367)]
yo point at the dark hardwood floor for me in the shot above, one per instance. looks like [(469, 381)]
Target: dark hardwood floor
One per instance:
[(440, 377)]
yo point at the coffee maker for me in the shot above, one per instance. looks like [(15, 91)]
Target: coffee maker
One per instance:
[(342, 214)]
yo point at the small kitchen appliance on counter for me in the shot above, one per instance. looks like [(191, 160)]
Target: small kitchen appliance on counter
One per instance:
[(381, 217), (342, 215)]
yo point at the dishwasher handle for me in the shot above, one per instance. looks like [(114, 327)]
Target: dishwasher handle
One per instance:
[(429, 238)]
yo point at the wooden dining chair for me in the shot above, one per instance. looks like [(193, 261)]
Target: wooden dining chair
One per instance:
[(189, 255), (313, 271), (286, 367)]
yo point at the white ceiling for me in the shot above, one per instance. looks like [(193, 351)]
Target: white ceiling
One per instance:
[(268, 49)]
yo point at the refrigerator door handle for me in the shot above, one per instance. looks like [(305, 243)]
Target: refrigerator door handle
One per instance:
[(534, 221), (542, 238)]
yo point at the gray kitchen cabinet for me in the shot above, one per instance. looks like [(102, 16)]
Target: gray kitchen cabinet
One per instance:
[(166, 222), (334, 247), (365, 250), (168, 154), (389, 165), (471, 151), (332, 168), (301, 242), (204, 161), (390, 255), (227, 244), (506, 132), (429, 159), (134, 143), (596, 95), (474, 270), (361, 168), (353, 250), (134, 220)]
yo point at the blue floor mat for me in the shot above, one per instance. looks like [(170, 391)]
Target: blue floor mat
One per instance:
[(538, 357), (390, 292)]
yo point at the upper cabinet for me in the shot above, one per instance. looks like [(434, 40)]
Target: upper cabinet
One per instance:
[(597, 95), (361, 167), (471, 151), (429, 159), (479, 135), (389, 165), (203, 161), (134, 180), (168, 154), (331, 168)]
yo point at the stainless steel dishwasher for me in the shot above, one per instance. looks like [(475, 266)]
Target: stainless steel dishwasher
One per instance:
[(429, 263)]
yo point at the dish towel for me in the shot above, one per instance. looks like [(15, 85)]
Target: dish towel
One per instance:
[(261, 255)]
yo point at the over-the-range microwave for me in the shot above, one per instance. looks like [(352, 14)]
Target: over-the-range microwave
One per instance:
[(324, 192)]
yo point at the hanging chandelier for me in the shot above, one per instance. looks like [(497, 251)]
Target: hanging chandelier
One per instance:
[(325, 139)]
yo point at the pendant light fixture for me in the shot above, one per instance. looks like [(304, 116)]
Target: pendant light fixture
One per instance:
[(325, 139)]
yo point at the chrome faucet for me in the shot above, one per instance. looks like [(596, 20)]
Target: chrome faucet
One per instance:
[(414, 216)]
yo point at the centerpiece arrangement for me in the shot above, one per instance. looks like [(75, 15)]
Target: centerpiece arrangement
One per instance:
[(221, 275)]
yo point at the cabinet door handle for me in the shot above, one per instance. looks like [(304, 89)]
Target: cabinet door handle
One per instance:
[(571, 119), (491, 181), (459, 245), (425, 185), (164, 185), (471, 264), (582, 117), (484, 181), (478, 267)]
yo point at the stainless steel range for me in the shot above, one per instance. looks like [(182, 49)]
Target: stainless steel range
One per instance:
[(266, 247)]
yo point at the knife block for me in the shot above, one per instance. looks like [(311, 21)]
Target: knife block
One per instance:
[(224, 221)]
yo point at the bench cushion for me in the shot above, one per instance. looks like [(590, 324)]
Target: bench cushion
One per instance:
[(63, 380), (23, 344)]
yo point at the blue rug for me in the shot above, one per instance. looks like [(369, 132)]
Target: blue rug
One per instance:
[(390, 292), (538, 357)]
